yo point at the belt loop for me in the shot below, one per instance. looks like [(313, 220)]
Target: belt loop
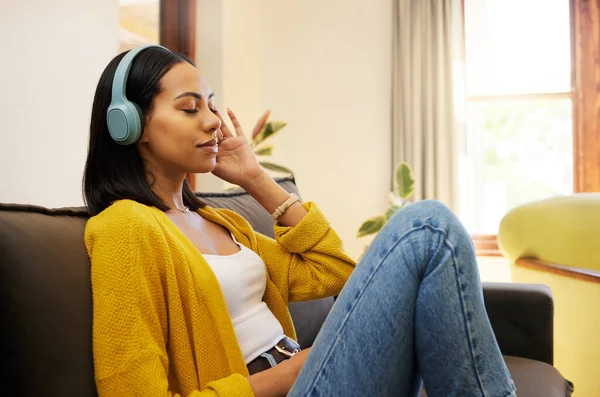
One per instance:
[(270, 359)]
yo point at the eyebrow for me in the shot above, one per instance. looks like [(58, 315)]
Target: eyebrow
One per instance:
[(193, 94)]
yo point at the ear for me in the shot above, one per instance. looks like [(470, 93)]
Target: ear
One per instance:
[(143, 138)]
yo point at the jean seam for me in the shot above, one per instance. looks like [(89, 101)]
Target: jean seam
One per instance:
[(358, 298), (466, 322)]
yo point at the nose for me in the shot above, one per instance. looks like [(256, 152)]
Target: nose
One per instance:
[(211, 123)]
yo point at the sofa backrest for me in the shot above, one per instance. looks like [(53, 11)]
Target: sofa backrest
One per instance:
[(47, 299)]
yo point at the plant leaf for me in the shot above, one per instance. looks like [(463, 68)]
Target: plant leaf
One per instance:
[(265, 150), (392, 210), (260, 124), (371, 225), (405, 182), (270, 129), (275, 167)]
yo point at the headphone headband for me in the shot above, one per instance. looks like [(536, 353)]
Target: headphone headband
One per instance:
[(122, 72)]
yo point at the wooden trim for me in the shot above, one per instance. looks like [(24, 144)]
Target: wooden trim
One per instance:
[(520, 97), (178, 26), (178, 33), (585, 51), (561, 270), (486, 245)]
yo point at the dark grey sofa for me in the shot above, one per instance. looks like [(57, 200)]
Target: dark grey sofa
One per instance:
[(47, 306)]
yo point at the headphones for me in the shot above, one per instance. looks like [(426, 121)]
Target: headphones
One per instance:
[(125, 118)]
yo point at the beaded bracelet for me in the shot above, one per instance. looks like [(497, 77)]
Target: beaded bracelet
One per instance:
[(284, 207)]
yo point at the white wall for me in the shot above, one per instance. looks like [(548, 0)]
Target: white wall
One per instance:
[(322, 66), (53, 53), (325, 68)]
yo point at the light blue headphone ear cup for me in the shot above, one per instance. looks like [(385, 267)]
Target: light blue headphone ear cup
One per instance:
[(124, 118), (125, 122)]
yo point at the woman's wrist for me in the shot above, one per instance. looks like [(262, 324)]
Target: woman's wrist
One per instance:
[(266, 191), (257, 183), (270, 195)]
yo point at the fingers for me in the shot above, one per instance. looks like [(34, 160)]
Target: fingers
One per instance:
[(224, 128), (236, 124)]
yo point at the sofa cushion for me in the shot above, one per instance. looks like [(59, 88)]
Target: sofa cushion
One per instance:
[(534, 379), (46, 302), (537, 379)]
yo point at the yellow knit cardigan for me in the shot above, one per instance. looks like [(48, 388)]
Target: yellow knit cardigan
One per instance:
[(161, 325)]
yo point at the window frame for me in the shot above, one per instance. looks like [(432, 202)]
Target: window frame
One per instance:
[(585, 58)]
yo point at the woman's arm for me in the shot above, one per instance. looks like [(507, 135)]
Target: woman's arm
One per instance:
[(308, 260), (270, 195), (273, 382), (277, 381)]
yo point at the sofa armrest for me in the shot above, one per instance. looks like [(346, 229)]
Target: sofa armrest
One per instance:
[(522, 317)]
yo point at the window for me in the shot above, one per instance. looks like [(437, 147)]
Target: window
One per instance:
[(519, 107)]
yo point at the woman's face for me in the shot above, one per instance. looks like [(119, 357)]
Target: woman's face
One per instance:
[(179, 135)]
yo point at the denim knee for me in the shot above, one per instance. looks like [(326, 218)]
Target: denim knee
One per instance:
[(430, 208), (431, 212)]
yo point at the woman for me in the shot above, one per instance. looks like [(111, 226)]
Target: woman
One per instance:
[(190, 301)]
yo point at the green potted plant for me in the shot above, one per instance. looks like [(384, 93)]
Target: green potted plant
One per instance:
[(404, 187), (263, 130)]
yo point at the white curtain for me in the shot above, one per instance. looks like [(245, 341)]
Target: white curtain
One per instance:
[(427, 87)]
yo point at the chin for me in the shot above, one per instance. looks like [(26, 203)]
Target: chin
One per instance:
[(203, 167)]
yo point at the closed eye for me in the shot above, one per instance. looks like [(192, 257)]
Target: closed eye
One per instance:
[(190, 111)]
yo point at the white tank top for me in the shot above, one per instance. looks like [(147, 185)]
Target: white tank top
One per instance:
[(243, 279)]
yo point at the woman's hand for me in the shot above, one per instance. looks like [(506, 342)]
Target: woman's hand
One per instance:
[(236, 162), (277, 381)]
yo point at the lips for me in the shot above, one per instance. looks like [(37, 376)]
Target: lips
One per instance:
[(209, 146), (210, 142)]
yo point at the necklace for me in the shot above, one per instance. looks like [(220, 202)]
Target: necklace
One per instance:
[(185, 209)]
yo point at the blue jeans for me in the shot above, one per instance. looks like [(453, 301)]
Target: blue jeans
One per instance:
[(412, 312)]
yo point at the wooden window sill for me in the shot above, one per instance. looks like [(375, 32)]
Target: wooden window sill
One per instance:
[(561, 270), (486, 245)]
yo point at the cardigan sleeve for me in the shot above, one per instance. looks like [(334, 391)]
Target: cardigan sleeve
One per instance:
[(307, 260), (130, 313), (145, 376)]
